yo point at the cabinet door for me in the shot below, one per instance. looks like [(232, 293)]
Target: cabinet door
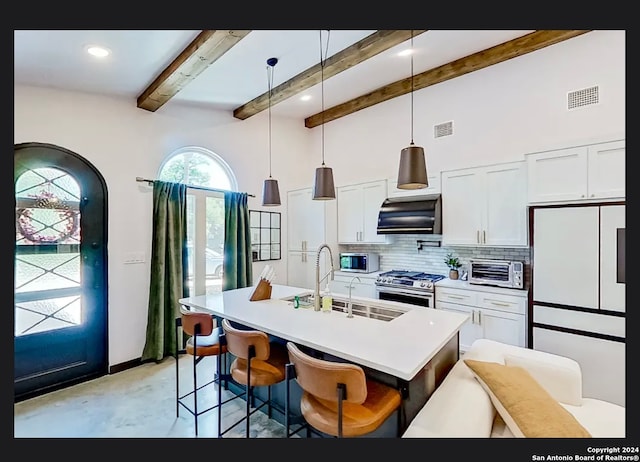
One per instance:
[(505, 213), (566, 245), (462, 207), (558, 175), (612, 261), (606, 170), (602, 361), (305, 219), (501, 326), (350, 199), (301, 269), (373, 195), (470, 331)]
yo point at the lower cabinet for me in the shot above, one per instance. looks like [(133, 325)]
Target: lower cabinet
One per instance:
[(301, 269), (364, 288), (495, 316)]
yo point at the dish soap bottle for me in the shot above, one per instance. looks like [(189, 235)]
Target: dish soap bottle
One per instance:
[(327, 300)]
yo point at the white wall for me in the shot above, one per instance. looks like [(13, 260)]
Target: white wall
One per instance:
[(499, 114), (123, 142)]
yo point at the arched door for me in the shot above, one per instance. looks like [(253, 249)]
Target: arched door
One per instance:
[(60, 267)]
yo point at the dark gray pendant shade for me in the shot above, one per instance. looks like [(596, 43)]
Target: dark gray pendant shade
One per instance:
[(323, 187), (412, 173), (270, 192)]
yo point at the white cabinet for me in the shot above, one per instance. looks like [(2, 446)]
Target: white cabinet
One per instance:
[(494, 316), (485, 206), (309, 225), (365, 287), (591, 238), (595, 171), (301, 269), (433, 188), (305, 220), (602, 361), (358, 208)]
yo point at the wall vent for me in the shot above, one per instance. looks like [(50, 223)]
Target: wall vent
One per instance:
[(584, 97), (443, 129)]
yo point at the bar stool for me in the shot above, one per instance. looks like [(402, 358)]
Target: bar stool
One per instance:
[(338, 399), (258, 363), (204, 341)]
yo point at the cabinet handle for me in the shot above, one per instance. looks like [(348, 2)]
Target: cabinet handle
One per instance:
[(473, 316), (457, 297), (581, 195), (484, 236), (479, 317), (478, 236), (593, 195), (500, 304)]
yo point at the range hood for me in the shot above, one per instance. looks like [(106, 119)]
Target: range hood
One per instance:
[(411, 215)]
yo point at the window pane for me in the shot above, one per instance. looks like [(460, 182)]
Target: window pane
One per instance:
[(195, 169)]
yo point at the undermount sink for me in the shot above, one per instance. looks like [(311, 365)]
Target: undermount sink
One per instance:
[(357, 307)]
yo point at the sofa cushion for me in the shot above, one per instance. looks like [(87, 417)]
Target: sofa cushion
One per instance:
[(524, 405), (601, 418), (560, 376), (458, 408)]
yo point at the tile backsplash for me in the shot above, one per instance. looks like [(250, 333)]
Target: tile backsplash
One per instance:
[(402, 254)]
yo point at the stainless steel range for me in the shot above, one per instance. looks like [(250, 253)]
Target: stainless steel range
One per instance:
[(413, 287)]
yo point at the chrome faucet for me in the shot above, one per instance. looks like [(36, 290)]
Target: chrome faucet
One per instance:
[(350, 305), (316, 293)]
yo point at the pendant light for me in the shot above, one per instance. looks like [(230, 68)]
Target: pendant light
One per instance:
[(323, 187), (270, 191), (412, 173)]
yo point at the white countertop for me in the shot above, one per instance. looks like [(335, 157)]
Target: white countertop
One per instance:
[(400, 347), (460, 284)]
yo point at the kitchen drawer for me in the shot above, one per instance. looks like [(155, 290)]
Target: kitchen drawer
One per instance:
[(460, 296), (368, 280), (502, 302), (580, 320)]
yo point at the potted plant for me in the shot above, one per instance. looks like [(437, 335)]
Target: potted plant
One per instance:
[(453, 263)]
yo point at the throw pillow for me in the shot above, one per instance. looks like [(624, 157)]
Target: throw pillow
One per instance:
[(528, 409)]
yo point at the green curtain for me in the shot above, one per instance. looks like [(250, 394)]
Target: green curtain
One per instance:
[(168, 268), (237, 242)]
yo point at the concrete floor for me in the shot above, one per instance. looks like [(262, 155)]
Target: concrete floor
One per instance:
[(137, 403)]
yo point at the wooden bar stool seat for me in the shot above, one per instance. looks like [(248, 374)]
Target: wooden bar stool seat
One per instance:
[(338, 399), (258, 363)]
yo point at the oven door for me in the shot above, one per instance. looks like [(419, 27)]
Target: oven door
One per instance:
[(402, 295)]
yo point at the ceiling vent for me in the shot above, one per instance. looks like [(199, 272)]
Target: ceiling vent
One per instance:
[(444, 129), (584, 97)]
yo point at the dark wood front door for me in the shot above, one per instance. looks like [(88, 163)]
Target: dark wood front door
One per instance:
[(60, 292)]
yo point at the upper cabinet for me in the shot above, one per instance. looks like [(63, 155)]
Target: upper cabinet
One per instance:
[(591, 172), (306, 220), (358, 208), (433, 188), (485, 206)]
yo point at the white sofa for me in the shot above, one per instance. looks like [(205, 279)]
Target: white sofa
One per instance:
[(461, 408)]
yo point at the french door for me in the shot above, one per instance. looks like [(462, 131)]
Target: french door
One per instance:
[(60, 291)]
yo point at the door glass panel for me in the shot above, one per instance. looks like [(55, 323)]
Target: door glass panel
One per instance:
[(215, 243), (47, 262)]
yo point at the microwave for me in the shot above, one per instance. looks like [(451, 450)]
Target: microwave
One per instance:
[(358, 262), (500, 273)]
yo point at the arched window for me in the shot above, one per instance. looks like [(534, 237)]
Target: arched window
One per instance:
[(196, 166), (208, 175)]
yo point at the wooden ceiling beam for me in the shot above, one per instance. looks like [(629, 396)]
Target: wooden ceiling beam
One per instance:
[(476, 61), (360, 51), (203, 51)]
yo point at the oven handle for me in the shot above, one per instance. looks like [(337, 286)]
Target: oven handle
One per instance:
[(394, 290)]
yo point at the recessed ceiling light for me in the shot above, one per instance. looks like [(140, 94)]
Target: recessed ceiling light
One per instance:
[(98, 51), (406, 52), (305, 97)]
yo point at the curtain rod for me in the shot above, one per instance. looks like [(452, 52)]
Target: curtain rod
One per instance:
[(150, 182)]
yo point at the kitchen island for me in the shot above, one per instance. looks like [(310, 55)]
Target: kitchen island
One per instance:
[(413, 351)]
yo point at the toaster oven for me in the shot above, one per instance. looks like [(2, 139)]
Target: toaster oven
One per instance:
[(500, 273)]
